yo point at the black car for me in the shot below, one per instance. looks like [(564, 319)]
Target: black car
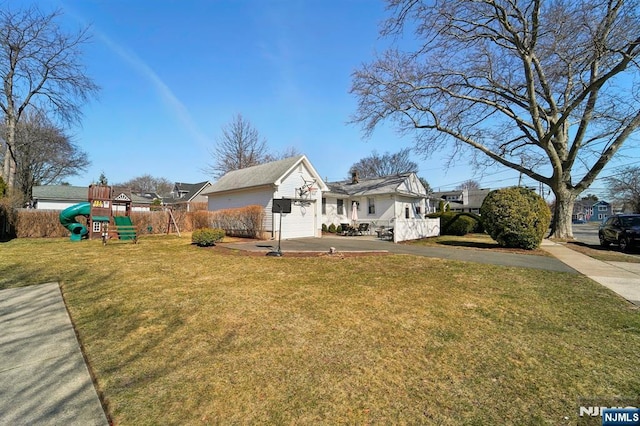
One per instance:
[(620, 229)]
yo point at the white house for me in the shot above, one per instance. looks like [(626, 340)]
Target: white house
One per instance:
[(463, 200), (292, 178), (187, 195), (396, 201), (59, 197)]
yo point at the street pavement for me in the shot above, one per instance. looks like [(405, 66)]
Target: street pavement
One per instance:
[(373, 244)]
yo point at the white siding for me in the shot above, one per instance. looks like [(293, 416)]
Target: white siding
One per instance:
[(231, 200), (55, 205), (303, 221), (385, 211)]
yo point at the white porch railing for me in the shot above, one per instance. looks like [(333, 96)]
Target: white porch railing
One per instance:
[(415, 229)]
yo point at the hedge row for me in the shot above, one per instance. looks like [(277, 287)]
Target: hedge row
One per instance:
[(241, 222), (245, 222)]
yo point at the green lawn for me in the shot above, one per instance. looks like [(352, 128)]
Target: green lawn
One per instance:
[(177, 334)]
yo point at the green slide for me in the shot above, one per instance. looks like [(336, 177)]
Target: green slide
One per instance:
[(128, 233), (68, 220)]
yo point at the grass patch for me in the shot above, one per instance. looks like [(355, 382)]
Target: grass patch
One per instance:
[(473, 241), (178, 334), (606, 254)]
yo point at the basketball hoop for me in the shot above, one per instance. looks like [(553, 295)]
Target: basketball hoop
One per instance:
[(307, 190)]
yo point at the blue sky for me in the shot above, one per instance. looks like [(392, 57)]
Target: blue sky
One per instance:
[(173, 73)]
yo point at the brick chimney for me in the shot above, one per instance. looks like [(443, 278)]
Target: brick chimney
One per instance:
[(355, 178)]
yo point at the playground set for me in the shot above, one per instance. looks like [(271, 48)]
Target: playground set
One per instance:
[(108, 213)]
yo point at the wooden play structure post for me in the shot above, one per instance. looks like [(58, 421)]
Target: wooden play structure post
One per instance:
[(106, 202), (100, 214)]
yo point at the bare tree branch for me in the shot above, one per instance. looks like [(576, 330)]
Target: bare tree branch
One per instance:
[(40, 65), (534, 86)]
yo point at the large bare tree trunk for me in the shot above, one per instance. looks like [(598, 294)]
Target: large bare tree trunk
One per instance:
[(9, 170), (563, 211)]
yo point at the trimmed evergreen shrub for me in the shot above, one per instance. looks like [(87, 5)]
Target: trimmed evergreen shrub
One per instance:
[(455, 224), (324, 227), (332, 228), (207, 236), (339, 229), (515, 217), (452, 223)]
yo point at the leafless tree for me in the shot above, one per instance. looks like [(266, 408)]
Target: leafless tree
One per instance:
[(239, 147), (44, 154), (549, 89), (40, 65), (624, 187), (469, 185), (148, 183), (288, 152), (377, 165)]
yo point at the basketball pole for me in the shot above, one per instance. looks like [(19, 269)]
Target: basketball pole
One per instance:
[(278, 252)]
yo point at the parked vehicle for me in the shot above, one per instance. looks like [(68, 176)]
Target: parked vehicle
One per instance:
[(620, 229)]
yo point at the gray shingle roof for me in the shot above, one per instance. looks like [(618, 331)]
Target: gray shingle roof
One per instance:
[(189, 190), (250, 177), (369, 186), (61, 192), (72, 194)]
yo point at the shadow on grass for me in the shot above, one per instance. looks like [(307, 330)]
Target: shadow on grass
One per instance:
[(469, 244), (607, 254), (597, 247)]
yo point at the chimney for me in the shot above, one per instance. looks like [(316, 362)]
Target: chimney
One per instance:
[(354, 176)]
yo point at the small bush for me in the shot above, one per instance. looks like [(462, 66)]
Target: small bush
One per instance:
[(515, 217), (332, 228), (339, 229), (461, 225), (207, 236), (456, 223), (324, 227)]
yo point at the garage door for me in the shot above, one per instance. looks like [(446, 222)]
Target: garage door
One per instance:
[(299, 223)]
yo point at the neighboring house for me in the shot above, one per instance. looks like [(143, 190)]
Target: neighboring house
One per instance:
[(188, 195), (59, 197), (293, 178), (463, 200), (396, 201), (591, 211), (378, 200)]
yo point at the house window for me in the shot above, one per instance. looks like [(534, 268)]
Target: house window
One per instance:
[(406, 212), (418, 210), (600, 217), (602, 208), (340, 206), (324, 206), (372, 205), (96, 226)]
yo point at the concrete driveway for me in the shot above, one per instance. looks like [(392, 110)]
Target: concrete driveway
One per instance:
[(372, 244)]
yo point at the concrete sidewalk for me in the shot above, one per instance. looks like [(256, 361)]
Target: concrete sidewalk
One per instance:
[(43, 376), (620, 277)]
